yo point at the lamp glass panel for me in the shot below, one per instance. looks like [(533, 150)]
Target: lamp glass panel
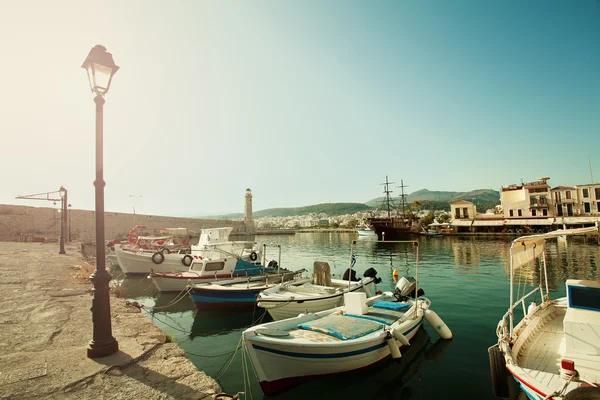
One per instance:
[(102, 76)]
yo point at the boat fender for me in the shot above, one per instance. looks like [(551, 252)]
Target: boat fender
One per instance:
[(397, 334), (531, 308), (498, 371), (393, 346), (253, 256), (438, 325), (187, 260), (158, 258), (185, 242), (584, 393)]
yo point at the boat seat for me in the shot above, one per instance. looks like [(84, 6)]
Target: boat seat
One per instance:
[(342, 326), (321, 274), (391, 305)]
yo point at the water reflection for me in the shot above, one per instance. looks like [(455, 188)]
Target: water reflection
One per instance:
[(173, 303), (134, 287), (389, 380), (216, 322)]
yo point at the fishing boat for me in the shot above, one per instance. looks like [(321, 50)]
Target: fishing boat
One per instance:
[(554, 351), (208, 271), (361, 333), (213, 244), (318, 293), (236, 292)]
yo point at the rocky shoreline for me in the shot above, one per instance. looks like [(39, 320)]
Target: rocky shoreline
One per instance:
[(46, 324)]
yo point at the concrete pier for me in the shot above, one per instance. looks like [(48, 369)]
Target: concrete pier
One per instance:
[(46, 324)]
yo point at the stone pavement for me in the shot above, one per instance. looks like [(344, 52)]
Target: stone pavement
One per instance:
[(46, 325)]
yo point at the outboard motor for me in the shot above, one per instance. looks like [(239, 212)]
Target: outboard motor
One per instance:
[(272, 264), (372, 273), (406, 288), (347, 274)]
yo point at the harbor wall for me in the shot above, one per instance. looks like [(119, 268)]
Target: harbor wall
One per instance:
[(25, 223)]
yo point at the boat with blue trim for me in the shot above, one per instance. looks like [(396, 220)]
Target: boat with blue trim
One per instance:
[(361, 333), (236, 292)]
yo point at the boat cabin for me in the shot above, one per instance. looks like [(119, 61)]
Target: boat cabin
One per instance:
[(582, 320)]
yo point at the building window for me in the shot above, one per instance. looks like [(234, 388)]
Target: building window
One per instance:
[(533, 213), (520, 212), (597, 193), (568, 194), (466, 212), (587, 208), (543, 200), (511, 213), (586, 192), (545, 212), (598, 206), (557, 197)]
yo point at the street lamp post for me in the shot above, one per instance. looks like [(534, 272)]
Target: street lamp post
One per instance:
[(100, 68), (69, 223), (63, 196)]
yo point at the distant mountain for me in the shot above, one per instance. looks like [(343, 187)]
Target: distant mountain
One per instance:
[(326, 208), (478, 196), (436, 200)]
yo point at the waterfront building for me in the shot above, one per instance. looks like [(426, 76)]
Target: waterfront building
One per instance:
[(531, 207)]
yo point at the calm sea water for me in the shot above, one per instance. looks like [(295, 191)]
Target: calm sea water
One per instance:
[(465, 278)]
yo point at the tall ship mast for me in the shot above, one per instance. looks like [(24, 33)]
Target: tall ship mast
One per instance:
[(392, 228)]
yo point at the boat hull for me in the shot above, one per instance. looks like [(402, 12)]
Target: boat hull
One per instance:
[(280, 364), (391, 229), (211, 299), (141, 263), (288, 309), (285, 307)]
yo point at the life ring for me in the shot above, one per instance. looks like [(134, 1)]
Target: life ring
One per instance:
[(133, 236), (253, 256), (158, 257), (164, 250), (498, 371), (187, 260)]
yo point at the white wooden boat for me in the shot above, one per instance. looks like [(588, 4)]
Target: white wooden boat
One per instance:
[(213, 244), (357, 335), (554, 351), (313, 294)]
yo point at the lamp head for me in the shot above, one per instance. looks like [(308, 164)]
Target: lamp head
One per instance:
[(100, 68)]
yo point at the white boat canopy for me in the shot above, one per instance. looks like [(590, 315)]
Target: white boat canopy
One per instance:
[(528, 248)]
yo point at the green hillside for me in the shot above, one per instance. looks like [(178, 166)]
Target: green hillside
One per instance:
[(479, 196)]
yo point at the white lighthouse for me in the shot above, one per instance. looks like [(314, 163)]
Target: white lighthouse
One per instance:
[(248, 213)]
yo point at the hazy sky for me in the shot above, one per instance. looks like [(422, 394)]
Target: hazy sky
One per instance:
[(304, 102)]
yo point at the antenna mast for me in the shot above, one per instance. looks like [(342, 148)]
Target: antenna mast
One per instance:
[(590, 161)]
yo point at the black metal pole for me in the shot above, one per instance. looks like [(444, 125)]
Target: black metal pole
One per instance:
[(62, 226), (103, 343), (69, 223)]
